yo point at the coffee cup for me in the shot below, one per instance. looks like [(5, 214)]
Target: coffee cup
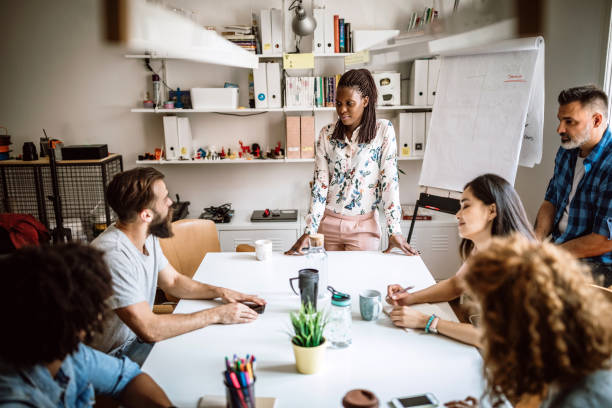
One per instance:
[(308, 284), (263, 249), (370, 304)]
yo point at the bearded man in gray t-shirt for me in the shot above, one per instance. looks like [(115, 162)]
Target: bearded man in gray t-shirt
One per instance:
[(138, 266)]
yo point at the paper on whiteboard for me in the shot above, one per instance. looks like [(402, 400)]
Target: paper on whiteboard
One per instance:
[(533, 138), (478, 118)]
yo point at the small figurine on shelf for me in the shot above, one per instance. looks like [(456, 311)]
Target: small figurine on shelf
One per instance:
[(278, 152), (201, 154), (231, 154), (256, 151), (222, 154), (178, 103), (147, 102)]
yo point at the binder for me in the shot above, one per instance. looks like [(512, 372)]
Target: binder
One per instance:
[(293, 137), (184, 138), (417, 94), (405, 135), (171, 138), (273, 84), (265, 26), (276, 19), (329, 33), (433, 69), (427, 124), (260, 86), (307, 136), (318, 41), (418, 134)]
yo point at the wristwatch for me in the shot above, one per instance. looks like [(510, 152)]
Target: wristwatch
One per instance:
[(433, 327)]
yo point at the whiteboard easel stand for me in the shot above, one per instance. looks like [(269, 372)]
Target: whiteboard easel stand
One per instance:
[(445, 201)]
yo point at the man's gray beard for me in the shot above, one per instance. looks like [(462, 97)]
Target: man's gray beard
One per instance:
[(574, 143)]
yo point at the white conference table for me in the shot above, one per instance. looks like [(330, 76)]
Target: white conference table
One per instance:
[(387, 360)]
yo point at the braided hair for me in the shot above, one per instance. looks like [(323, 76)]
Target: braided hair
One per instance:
[(361, 80)]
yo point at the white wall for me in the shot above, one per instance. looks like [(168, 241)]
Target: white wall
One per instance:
[(576, 35), (57, 73)]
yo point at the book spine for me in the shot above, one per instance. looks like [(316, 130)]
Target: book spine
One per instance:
[(341, 31), (336, 33), (321, 92), (347, 37)]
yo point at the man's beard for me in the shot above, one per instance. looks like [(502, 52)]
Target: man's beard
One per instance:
[(577, 141), (161, 227)]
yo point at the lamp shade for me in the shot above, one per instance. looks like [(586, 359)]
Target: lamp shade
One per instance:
[(302, 23)]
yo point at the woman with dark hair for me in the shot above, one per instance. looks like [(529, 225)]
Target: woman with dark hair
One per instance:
[(547, 335), (490, 207), (355, 170)]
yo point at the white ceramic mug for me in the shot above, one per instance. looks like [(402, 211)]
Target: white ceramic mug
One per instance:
[(263, 249)]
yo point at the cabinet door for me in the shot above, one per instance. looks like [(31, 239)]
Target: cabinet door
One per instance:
[(281, 239), (439, 246)]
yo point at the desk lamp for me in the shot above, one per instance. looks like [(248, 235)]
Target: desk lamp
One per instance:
[(301, 24)]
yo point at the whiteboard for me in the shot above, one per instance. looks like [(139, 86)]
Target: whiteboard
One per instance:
[(479, 117)]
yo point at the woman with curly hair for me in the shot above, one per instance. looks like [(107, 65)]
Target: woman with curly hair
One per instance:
[(58, 299), (546, 331)]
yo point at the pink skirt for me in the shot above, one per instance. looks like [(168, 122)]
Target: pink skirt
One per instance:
[(350, 232)]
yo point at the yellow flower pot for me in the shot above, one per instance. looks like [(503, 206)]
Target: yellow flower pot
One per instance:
[(309, 360)]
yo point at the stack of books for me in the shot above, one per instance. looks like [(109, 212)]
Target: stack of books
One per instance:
[(343, 36), (311, 91), (242, 36), (417, 22)]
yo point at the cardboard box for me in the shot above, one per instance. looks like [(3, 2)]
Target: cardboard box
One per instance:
[(307, 136), (293, 137)]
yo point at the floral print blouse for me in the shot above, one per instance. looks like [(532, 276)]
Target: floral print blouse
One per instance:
[(352, 178)]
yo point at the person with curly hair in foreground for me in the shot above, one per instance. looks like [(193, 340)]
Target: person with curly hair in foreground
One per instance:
[(546, 330), (57, 297)]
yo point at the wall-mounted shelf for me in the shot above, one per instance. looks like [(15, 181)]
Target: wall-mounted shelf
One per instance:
[(224, 161), (255, 110), (243, 161)]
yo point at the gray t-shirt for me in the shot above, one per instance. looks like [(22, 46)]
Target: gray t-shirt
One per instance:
[(593, 391), (134, 277)]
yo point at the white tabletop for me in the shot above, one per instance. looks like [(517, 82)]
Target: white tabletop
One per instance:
[(387, 360)]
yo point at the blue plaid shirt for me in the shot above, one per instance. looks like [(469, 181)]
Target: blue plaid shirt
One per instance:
[(591, 208)]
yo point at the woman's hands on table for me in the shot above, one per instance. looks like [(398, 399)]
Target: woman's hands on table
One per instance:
[(398, 241), (300, 244)]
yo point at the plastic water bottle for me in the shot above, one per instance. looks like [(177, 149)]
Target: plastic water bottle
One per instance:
[(316, 258), (338, 330), (156, 91)]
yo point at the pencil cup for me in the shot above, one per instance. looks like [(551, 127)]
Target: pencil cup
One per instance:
[(243, 397)]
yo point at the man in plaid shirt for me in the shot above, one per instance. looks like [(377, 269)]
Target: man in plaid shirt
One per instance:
[(577, 207)]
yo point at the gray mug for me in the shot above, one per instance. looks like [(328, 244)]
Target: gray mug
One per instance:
[(370, 304)]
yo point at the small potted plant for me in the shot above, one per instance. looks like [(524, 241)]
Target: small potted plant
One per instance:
[(308, 341)]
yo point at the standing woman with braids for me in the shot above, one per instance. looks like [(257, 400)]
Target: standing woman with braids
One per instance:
[(547, 333), (355, 170)]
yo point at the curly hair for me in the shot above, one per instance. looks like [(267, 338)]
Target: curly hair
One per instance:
[(511, 216), (363, 82), (56, 295), (543, 323)]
